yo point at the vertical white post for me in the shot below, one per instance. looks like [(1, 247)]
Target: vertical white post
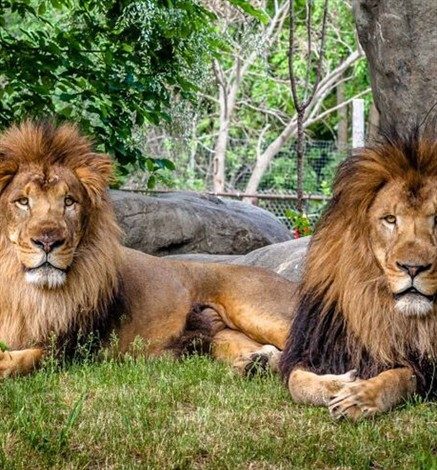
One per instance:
[(357, 123)]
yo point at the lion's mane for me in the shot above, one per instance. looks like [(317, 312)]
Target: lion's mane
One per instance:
[(345, 317), (90, 299)]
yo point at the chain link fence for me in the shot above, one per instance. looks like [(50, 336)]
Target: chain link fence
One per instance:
[(277, 189)]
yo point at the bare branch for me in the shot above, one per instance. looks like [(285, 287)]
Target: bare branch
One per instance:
[(281, 117), (321, 53), (260, 139), (319, 117)]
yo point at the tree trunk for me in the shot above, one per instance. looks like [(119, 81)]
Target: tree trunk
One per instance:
[(342, 129), (373, 125), (227, 98), (218, 177), (400, 42), (267, 156), (300, 154)]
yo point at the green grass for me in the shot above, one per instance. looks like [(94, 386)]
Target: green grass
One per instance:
[(193, 414)]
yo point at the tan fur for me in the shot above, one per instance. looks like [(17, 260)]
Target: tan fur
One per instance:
[(89, 268), (340, 261), (365, 398), (383, 216), (314, 389), (29, 315)]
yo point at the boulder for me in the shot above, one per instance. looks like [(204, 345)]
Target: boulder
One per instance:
[(400, 41), (285, 258), (183, 222)]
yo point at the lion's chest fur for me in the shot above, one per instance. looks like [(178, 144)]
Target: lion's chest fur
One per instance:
[(32, 318)]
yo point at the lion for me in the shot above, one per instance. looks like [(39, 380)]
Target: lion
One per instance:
[(364, 334), (65, 274)]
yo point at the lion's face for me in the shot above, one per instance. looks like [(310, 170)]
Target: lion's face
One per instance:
[(403, 236), (44, 213)]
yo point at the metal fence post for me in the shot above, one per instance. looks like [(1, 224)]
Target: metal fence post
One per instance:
[(357, 123)]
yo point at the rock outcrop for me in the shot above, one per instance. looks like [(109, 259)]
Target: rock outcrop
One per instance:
[(183, 222)]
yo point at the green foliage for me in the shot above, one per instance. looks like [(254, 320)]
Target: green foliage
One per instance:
[(248, 8), (109, 65), (301, 223)]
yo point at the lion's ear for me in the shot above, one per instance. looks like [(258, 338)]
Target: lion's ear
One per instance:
[(8, 169), (95, 174)]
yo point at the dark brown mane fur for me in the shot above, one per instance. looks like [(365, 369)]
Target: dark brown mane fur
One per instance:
[(345, 317)]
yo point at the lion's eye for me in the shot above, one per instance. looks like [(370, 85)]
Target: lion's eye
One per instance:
[(23, 201), (390, 219), (69, 201)]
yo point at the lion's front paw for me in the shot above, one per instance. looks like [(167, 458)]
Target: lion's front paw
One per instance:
[(355, 400), (7, 364)]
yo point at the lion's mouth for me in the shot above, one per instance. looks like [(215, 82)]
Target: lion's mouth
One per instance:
[(45, 265), (412, 291), (46, 275)]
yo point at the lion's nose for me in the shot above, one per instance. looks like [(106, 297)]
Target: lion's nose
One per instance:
[(48, 242), (413, 269)]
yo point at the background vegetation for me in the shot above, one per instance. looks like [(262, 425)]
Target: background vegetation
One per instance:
[(139, 76), (111, 66)]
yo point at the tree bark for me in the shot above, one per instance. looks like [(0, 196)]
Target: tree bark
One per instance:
[(373, 124), (342, 129), (220, 156), (300, 154), (400, 42)]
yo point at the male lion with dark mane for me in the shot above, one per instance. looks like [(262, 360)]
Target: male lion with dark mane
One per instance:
[(366, 307), (64, 273)]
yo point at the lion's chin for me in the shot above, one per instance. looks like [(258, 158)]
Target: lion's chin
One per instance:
[(46, 276), (414, 305)]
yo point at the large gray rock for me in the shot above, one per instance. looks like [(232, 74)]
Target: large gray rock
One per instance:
[(284, 258), (185, 222), (400, 41)]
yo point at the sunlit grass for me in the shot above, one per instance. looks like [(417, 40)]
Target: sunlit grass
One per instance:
[(193, 414)]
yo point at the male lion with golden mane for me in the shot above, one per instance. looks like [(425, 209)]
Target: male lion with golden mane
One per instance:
[(367, 304), (64, 273)]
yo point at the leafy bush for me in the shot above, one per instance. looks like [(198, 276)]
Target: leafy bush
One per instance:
[(109, 65)]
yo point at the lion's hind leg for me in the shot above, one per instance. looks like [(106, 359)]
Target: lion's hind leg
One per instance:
[(313, 389), (243, 353)]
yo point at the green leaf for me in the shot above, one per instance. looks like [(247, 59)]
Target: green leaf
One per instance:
[(168, 164), (151, 182), (42, 8), (127, 47), (139, 119), (257, 13), (150, 164), (66, 111)]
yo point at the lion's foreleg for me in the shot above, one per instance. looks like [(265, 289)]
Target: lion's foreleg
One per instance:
[(14, 363), (313, 389), (375, 395)]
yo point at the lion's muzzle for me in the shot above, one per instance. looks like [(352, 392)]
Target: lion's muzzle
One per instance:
[(47, 264), (48, 242), (413, 302)]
